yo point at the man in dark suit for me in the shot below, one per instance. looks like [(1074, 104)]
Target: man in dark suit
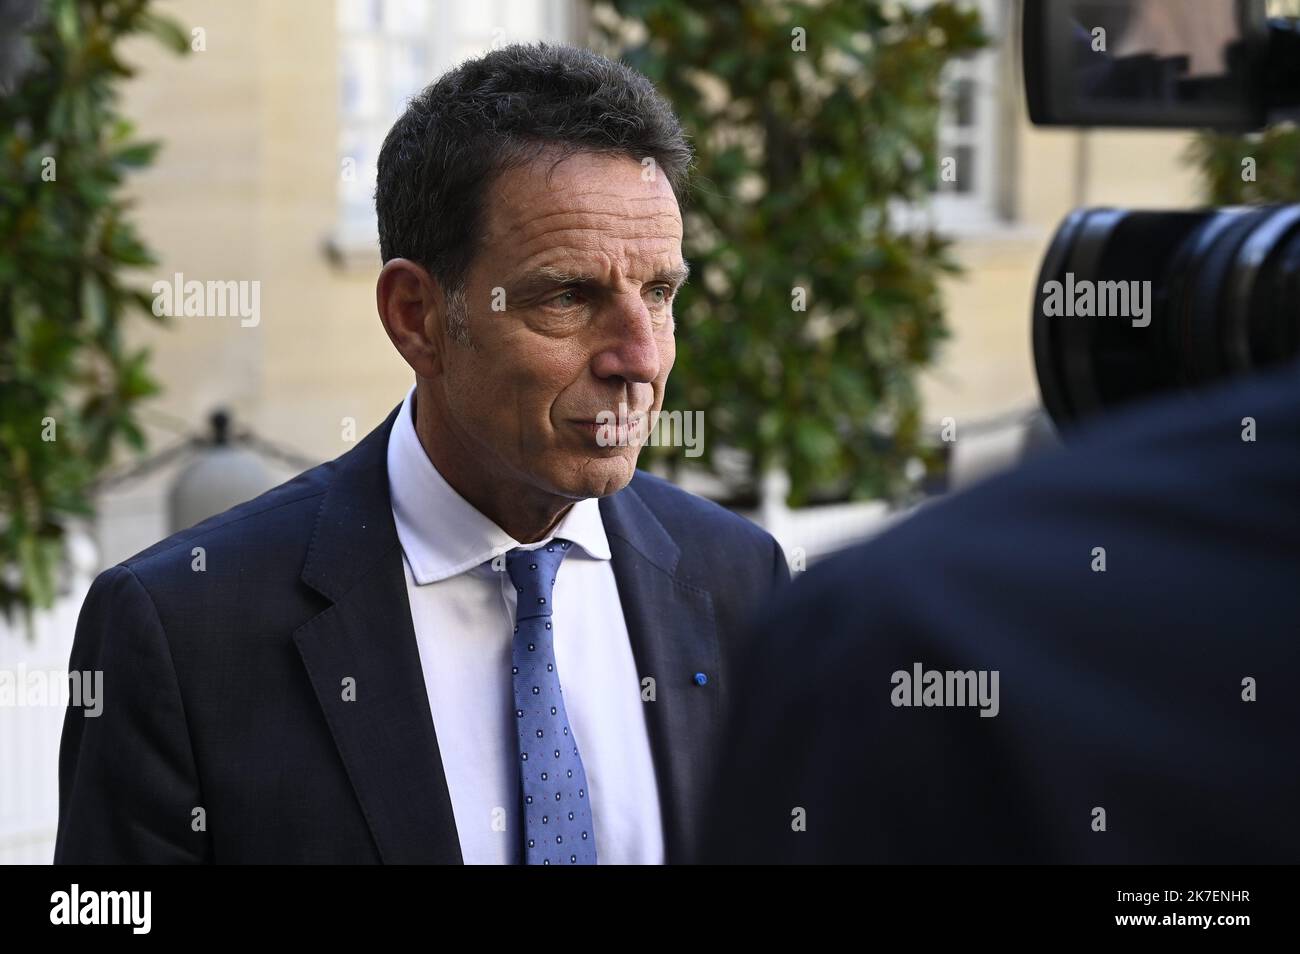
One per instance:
[(365, 663), (1090, 659)]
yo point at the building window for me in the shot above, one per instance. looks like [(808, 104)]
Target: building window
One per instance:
[(968, 128), (972, 132), (391, 49)]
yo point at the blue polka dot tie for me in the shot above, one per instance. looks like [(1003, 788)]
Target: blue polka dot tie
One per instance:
[(554, 798)]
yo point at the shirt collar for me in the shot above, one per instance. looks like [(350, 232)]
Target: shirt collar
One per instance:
[(442, 533)]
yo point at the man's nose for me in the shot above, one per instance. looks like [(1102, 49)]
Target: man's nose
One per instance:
[(631, 349)]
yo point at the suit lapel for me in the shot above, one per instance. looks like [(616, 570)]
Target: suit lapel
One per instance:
[(385, 735), (671, 626)]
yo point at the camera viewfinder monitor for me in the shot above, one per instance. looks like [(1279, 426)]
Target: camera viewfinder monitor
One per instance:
[(1172, 63)]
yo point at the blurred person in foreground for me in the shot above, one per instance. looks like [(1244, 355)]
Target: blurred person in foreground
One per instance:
[(1093, 658), (481, 635)]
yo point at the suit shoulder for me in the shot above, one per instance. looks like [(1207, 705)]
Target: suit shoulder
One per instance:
[(284, 514)]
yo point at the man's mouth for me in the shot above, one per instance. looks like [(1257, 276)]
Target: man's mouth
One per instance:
[(614, 432)]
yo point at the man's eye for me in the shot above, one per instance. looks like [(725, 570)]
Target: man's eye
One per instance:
[(564, 299), (559, 300)]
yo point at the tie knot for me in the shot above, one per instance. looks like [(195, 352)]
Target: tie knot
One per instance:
[(533, 574)]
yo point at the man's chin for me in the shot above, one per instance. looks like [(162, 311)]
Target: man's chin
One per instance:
[(599, 477)]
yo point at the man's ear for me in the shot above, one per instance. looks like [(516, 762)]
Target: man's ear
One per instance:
[(413, 310)]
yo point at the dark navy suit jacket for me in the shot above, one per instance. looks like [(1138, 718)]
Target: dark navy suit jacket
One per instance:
[(223, 688), (1121, 690)]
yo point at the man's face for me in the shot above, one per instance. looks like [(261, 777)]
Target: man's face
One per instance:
[(586, 266)]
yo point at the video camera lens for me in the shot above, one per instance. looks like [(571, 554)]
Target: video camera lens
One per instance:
[(1132, 303)]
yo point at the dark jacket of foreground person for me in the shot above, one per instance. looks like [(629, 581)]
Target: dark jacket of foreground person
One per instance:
[(1124, 695)]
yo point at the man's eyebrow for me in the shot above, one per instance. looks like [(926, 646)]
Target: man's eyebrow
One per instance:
[(556, 275), (676, 275)]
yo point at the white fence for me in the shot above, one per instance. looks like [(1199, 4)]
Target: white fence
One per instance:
[(30, 726)]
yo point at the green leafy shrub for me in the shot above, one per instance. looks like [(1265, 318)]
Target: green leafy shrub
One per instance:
[(810, 123), (68, 382), (1272, 173)]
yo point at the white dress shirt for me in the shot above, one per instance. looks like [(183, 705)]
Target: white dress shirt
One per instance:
[(464, 611)]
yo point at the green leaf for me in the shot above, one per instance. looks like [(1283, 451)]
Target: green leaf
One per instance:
[(167, 30), (137, 155)]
